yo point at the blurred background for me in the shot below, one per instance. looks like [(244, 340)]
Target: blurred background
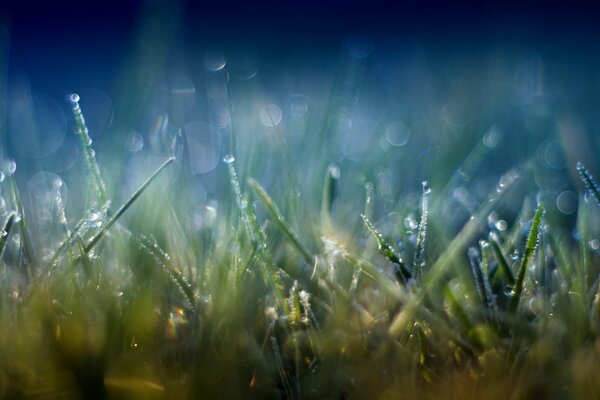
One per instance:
[(393, 94)]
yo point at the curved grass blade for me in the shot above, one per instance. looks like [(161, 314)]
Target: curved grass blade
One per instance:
[(419, 259), (89, 155), (589, 182), (530, 247), (386, 250), (125, 206), (278, 217)]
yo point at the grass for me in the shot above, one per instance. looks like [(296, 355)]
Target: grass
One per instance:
[(290, 300)]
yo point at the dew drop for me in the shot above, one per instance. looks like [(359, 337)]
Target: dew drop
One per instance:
[(271, 115), (426, 188), (410, 222), (397, 133), (228, 159), (594, 244), (2, 176), (501, 225), (10, 167)]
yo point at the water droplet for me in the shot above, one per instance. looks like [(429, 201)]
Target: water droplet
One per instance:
[(93, 216), (410, 222), (566, 202), (214, 61), (135, 142), (10, 167), (492, 138), (334, 171), (492, 218), (594, 244), (228, 159), (501, 225), (426, 188), (271, 115), (2, 176), (397, 133), (74, 98), (514, 255), (298, 106)]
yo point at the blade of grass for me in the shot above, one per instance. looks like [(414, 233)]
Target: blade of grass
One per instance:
[(90, 245), (6, 231), (419, 258), (386, 250), (502, 263), (589, 182), (329, 191), (278, 217), (530, 247), (27, 247), (89, 155)]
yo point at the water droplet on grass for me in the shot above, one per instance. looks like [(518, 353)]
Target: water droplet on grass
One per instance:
[(228, 159), (214, 61), (501, 225), (271, 115), (397, 133)]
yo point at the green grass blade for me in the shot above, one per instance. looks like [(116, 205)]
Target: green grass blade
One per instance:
[(419, 259), (126, 205), (87, 263), (89, 155), (530, 247), (280, 221), (589, 182), (502, 263), (27, 246), (6, 231), (329, 190), (368, 211), (386, 250)]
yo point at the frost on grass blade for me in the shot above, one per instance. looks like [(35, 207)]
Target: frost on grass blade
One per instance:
[(530, 247), (386, 250), (589, 182)]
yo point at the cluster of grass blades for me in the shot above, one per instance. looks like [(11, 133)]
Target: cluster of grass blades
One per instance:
[(250, 307)]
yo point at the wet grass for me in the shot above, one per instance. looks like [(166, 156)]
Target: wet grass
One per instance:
[(288, 300)]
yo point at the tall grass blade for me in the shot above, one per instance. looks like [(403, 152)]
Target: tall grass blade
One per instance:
[(589, 182), (125, 206), (88, 153), (279, 220), (530, 247), (419, 259)]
